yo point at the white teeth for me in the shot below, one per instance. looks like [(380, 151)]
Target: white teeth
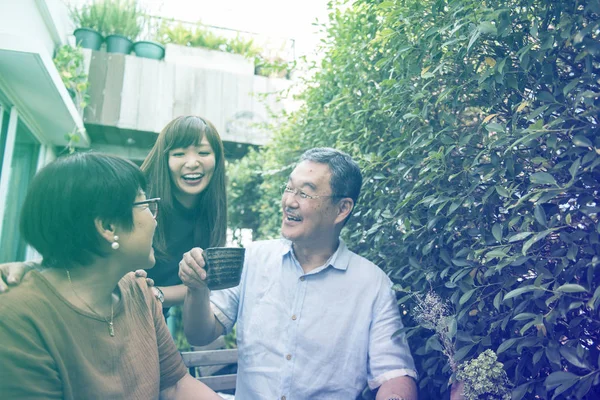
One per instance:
[(291, 218), (193, 176)]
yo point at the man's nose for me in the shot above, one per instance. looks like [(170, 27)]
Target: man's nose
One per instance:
[(290, 199)]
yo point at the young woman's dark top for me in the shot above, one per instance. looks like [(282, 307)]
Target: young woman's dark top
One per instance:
[(182, 235)]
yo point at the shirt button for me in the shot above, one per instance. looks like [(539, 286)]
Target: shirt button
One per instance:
[(294, 317), (302, 278), (288, 357)]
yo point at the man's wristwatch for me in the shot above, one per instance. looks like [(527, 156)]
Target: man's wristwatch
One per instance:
[(159, 294)]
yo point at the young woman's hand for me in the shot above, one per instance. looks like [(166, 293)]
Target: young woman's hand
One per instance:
[(12, 273), (191, 269), (141, 273)]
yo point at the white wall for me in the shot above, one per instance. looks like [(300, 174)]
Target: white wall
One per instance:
[(208, 59), (43, 21)]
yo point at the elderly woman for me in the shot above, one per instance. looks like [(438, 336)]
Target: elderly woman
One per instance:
[(85, 327)]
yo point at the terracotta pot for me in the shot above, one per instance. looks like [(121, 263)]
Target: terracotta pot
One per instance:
[(457, 391)]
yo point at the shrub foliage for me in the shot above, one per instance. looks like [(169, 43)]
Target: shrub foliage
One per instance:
[(476, 125)]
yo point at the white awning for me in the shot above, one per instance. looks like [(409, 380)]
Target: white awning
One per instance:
[(31, 81)]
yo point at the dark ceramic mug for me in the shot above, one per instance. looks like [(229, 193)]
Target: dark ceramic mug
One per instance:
[(223, 266)]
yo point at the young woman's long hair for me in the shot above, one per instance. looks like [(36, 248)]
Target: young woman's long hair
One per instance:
[(211, 223)]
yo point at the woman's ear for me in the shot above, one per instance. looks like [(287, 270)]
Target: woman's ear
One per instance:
[(345, 207), (105, 229)]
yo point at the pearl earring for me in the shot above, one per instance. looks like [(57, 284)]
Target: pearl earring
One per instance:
[(115, 243)]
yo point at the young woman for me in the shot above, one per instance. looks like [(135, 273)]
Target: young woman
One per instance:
[(84, 326), (186, 169)]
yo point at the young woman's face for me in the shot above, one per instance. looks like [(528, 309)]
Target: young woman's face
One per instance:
[(191, 170)]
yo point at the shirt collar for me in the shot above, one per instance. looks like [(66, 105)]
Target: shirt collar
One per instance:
[(339, 260)]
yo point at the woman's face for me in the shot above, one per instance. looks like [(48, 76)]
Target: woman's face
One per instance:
[(136, 245), (191, 170)]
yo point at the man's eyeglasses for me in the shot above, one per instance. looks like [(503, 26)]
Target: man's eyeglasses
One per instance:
[(286, 188), (150, 204)]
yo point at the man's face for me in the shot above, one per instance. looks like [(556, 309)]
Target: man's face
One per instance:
[(306, 219)]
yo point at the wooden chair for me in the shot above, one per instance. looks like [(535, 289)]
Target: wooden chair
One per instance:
[(209, 360)]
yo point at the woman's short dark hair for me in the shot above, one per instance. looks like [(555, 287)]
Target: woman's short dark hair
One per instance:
[(65, 198)]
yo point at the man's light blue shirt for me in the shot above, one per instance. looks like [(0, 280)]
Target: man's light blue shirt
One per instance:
[(321, 335)]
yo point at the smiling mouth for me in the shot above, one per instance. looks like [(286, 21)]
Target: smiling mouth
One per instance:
[(192, 177), (293, 218)]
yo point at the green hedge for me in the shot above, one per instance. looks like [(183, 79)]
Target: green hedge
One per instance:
[(477, 131)]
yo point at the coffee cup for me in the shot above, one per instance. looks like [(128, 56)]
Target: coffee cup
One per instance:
[(223, 266)]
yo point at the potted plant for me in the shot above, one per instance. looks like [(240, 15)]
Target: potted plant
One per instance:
[(123, 23), (150, 48), (89, 19)]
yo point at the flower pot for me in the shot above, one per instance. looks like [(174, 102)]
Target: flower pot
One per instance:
[(148, 49), (88, 38), (118, 44)]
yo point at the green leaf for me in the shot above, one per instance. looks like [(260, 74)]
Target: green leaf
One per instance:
[(524, 316), (488, 28), (453, 207), (494, 127), (571, 288), (581, 141), (519, 392), (497, 232), (507, 344), (521, 290), (535, 239), (540, 215), (462, 352), (433, 343), (570, 354), (502, 192), (558, 378), (546, 97), (542, 178), (570, 86), (519, 236), (452, 327), (498, 300), (575, 167), (466, 296), (495, 253)]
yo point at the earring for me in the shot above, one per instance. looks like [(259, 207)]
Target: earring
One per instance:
[(115, 243)]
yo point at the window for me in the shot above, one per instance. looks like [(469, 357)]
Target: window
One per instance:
[(4, 117), (23, 167)]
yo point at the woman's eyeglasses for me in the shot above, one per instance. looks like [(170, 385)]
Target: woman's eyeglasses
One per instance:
[(150, 204)]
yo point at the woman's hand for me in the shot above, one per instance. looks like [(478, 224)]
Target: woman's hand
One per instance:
[(191, 269), (12, 273)]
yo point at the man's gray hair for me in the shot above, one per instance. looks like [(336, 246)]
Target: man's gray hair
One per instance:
[(346, 178)]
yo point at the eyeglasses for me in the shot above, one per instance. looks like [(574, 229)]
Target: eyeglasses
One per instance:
[(150, 204), (286, 188)]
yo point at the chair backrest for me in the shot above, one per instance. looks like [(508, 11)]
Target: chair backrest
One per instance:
[(210, 360)]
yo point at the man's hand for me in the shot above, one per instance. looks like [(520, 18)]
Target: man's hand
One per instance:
[(12, 273), (191, 269)]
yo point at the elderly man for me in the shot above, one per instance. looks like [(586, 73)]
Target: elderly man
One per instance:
[(314, 320)]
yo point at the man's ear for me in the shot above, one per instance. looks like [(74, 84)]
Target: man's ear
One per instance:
[(345, 207), (105, 229)]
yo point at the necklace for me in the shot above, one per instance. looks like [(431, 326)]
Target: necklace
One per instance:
[(111, 329)]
